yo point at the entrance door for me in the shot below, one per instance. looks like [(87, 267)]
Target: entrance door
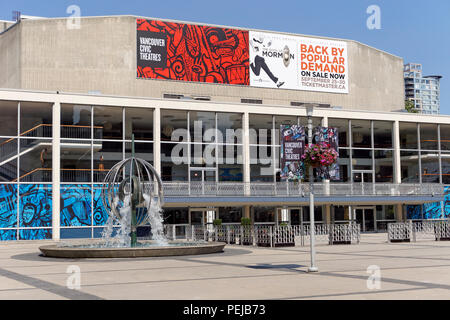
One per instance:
[(202, 180), (362, 176), (202, 216), (296, 216), (365, 216)]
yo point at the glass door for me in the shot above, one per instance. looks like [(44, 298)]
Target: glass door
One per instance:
[(365, 216), (197, 216), (202, 216), (296, 216), (362, 176)]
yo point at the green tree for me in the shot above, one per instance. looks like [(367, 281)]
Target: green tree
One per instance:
[(409, 106)]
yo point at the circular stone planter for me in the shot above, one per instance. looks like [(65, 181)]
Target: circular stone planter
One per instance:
[(150, 251)]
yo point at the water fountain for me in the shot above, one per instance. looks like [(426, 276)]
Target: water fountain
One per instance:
[(132, 194)]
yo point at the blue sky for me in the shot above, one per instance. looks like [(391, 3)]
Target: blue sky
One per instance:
[(416, 30)]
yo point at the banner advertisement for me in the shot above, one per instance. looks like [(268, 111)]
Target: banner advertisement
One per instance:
[(168, 50), (292, 148), (323, 65), (186, 52), (273, 60), (329, 136)]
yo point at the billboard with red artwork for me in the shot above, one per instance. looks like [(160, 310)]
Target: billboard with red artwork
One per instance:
[(186, 52)]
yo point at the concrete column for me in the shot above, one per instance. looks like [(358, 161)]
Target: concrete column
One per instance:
[(328, 213), (157, 140), (246, 211), (56, 178), (397, 162), (399, 212), (246, 152)]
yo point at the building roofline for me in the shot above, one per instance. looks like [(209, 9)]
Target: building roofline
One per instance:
[(433, 76), (221, 26), (407, 117)]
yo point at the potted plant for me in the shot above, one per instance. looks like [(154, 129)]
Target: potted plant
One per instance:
[(245, 225)]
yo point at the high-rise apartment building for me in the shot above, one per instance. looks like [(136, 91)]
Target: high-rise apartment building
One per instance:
[(422, 90)]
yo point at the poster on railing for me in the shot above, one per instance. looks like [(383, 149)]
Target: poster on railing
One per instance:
[(329, 136), (292, 148)]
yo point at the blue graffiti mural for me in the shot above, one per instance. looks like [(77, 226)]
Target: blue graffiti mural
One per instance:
[(35, 234), (100, 213), (75, 205), (8, 235), (35, 211), (8, 206), (35, 205), (431, 210), (447, 202)]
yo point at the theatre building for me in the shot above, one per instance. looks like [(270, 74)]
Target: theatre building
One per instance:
[(205, 104)]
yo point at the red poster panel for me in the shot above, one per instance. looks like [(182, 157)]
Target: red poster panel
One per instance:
[(168, 50)]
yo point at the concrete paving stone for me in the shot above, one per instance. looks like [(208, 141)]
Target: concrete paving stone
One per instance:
[(419, 270)]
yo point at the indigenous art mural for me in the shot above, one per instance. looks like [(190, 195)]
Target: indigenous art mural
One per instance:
[(30, 218), (35, 211), (431, 210), (75, 205), (175, 51)]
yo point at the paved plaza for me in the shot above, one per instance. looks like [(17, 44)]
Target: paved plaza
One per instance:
[(418, 270)]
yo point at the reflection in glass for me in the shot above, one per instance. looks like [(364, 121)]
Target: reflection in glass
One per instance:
[(445, 137), (9, 118), (382, 134), (36, 164), (76, 122), (362, 159), (408, 135), (172, 120), (139, 121), (445, 162), (111, 120), (384, 166), (230, 127), (428, 136), (361, 136), (409, 166), (430, 167), (75, 161), (342, 126), (199, 123), (35, 119)]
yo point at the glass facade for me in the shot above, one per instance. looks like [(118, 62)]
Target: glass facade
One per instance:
[(25, 171), (195, 148)]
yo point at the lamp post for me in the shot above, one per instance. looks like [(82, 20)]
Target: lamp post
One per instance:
[(312, 268)]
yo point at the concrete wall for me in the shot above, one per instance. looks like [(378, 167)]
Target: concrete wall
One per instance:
[(101, 56), (10, 44)]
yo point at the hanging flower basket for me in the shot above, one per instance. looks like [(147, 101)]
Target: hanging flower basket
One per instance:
[(319, 155)]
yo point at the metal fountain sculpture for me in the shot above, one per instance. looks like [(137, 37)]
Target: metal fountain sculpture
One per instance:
[(129, 193), (132, 194)]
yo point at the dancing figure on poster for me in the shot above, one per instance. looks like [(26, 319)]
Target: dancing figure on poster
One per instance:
[(259, 62)]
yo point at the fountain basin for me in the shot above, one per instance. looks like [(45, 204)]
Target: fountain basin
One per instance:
[(172, 249)]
